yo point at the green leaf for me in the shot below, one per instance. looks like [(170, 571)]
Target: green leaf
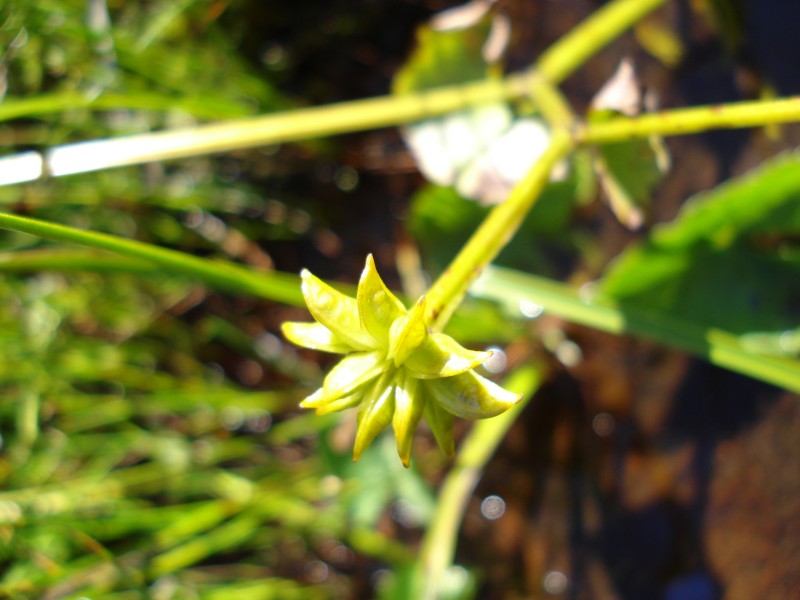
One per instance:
[(628, 173), (764, 201), (510, 288), (712, 264), (444, 57)]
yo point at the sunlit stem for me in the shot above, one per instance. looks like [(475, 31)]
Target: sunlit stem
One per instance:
[(605, 25), (438, 545), (685, 121), (557, 63), (550, 102), (492, 235)]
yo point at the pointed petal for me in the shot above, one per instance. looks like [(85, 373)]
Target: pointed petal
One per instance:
[(471, 396), (315, 400), (441, 356), (375, 413), (324, 405), (407, 332), (377, 306), (353, 371), (439, 420), (342, 403), (314, 336), (408, 407), (337, 312)]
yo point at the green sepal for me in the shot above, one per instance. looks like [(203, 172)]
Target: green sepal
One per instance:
[(471, 396), (375, 413), (350, 373), (337, 312), (439, 420), (441, 356), (407, 332), (377, 306), (314, 336), (408, 406)]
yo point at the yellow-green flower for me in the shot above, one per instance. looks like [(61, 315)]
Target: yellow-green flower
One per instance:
[(394, 369)]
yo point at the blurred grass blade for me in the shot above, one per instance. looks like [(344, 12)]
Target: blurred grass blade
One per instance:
[(280, 287), (510, 288)]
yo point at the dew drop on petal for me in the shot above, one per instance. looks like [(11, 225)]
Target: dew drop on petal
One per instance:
[(497, 362)]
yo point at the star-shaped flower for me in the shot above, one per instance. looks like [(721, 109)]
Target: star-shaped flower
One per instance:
[(394, 369)]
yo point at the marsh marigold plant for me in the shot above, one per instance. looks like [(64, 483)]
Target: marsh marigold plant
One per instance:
[(394, 369)]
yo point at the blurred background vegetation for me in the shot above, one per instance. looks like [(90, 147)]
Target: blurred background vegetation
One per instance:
[(150, 442)]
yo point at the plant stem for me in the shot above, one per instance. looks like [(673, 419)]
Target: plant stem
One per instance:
[(603, 27), (289, 126), (557, 63), (438, 545), (492, 235), (691, 120), (228, 276)]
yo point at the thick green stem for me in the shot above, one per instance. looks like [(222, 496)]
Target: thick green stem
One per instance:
[(692, 120), (492, 235), (289, 126), (438, 546), (557, 63), (604, 26)]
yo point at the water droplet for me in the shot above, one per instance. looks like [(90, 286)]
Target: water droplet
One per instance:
[(346, 178), (275, 212), (603, 424), (231, 417), (406, 514), (317, 571), (555, 582), (258, 421), (529, 309), (493, 507), (790, 341), (330, 485), (588, 292), (497, 362), (299, 221), (269, 346), (568, 353)]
